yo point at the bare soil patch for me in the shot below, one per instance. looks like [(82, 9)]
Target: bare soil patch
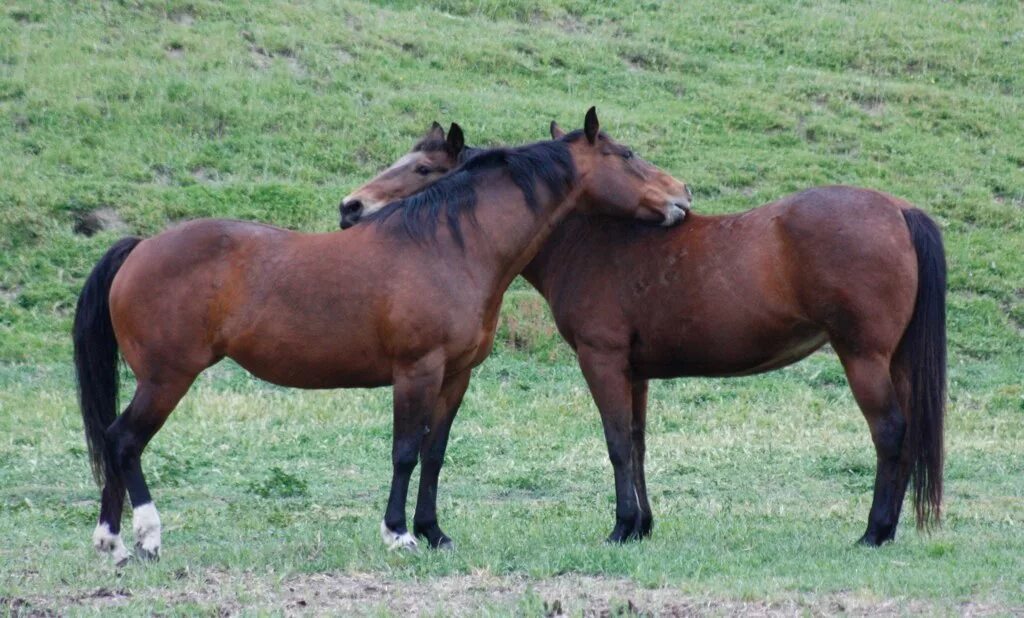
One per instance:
[(105, 218), (467, 595)]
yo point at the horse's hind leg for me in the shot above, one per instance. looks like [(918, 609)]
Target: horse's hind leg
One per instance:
[(126, 439), (107, 536), (873, 388)]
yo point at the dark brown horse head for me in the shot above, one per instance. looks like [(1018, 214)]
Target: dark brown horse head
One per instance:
[(616, 181), (431, 158)]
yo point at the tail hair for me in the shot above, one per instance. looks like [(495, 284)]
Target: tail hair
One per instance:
[(924, 348), (95, 348)]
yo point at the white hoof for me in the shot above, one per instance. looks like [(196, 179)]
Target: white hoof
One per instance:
[(106, 542), (395, 540), (146, 526)]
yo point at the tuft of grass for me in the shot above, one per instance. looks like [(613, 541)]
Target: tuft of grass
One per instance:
[(279, 484)]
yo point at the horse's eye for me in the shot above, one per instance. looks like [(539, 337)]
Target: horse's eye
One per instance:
[(628, 154), (422, 170)]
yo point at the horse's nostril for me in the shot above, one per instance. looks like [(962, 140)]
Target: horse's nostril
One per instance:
[(351, 207)]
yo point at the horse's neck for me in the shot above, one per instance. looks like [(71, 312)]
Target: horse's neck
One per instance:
[(558, 252), (510, 234)]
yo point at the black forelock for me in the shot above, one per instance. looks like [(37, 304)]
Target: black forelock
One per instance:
[(547, 163)]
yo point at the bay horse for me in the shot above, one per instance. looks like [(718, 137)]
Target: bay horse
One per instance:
[(411, 301), (747, 293)]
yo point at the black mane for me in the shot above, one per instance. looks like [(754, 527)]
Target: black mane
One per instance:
[(546, 163)]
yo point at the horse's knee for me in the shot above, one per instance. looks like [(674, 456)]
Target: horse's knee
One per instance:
[(404, 457), (620, 449)]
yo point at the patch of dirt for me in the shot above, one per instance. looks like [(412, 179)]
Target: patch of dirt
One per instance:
[(99, 220), (9, 295), (261, 58), (183, 18), (175, 51), (465, 595), (16, 607), (206, 175), (570, 24), (295, 66), (636, 62), (162, 174)]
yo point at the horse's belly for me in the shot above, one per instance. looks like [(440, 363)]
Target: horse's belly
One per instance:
[(714, 355), (315, 366)]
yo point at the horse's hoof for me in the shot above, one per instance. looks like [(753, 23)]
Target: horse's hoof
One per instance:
[(106, 542), (646, 526), (871, 541), (432, 534), (146, 526), (877, 536), (397, 540), (625, 533), (147, 555), (621, 539)]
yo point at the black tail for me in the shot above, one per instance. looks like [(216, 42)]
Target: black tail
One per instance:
[(96, 353), (924, 352)]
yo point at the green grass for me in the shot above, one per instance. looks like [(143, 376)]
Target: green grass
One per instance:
[(162, 111)]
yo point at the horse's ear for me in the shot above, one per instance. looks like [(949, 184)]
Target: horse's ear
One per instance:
[(556, 131), (591, 126), (436, 131), (456, 142)]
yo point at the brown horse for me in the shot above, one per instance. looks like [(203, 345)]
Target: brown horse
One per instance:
[(411, 301), (752, 292)]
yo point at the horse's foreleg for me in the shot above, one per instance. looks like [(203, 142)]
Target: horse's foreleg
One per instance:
[(639, 452), (607, 375), (873, 389), (432, 458), (416, 391), (126, 439)]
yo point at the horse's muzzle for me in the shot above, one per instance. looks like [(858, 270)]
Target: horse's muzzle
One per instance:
[(675, 214), (350, 212)]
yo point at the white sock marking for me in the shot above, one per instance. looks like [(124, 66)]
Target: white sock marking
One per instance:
[(106, 542), (146, 526), (395, 540)]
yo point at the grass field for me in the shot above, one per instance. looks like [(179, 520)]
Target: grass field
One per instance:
[(154, 112)]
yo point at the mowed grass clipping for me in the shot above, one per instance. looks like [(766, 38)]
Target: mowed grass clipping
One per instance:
[(155, 112)]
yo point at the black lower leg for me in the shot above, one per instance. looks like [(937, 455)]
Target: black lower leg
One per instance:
[(112, 502), (628, 516), (416, 392), (639, 431), (425, 520), (404, 452), (432, 459), (890, 480)]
